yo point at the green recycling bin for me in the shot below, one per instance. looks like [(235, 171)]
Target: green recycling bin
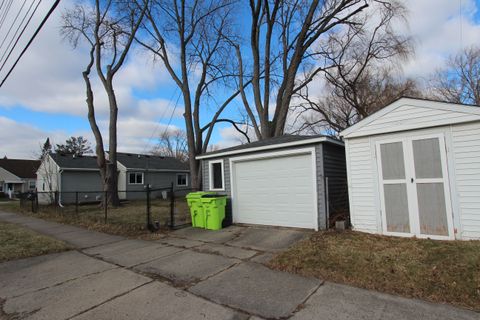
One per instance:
[(196, 208), (214, 210)]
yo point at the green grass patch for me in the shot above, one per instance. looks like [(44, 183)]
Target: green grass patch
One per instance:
[(18, 242), (438, 271)]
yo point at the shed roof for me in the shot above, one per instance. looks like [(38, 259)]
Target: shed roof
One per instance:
[(20, 167), (271, 143), (408, 113)]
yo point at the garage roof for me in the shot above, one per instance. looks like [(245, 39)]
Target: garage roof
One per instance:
[(272, 143)]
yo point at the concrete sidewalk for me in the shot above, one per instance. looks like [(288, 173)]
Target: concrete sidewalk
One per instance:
[(190, 274)]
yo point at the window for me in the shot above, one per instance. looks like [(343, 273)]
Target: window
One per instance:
[(182, 180), (135, 178), (32, 185), (216, 175), (1, 187)]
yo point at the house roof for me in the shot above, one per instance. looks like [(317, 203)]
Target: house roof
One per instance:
[(408, 113), (68, 161), (271, 143), (21, 168), (150, 162)]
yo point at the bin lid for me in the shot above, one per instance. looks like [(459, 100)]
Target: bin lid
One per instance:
[(210, 195)]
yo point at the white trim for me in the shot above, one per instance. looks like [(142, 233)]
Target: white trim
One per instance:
[(436, 105), (186, 179), (270, 147), (278, 154), (210, 175), (135, 173)]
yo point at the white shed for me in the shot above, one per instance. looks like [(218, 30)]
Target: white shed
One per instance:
[(414, 170)]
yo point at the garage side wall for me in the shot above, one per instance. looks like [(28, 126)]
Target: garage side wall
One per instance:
[(335, 169)]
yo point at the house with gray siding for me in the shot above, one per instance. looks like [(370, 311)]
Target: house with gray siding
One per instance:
[(69, 175), (288, 181), (138, 170)]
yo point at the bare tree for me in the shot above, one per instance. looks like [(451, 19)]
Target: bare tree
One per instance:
[(198, 34), (108, 28), (362, 76), (332, 113), (172, 144), (284, 50), (459, 81)]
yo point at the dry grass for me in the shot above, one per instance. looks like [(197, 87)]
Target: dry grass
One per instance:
[(438, 271), (127, 220), (18, 242)]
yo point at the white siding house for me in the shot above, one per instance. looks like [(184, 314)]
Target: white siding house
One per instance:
[(414, 170)]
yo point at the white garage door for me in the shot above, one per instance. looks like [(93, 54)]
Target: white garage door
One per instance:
[(275, 191)]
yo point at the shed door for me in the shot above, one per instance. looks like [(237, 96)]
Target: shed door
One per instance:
[(415, 193), (276, 191)]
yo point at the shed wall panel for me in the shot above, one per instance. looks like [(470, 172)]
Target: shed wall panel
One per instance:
[(361, 186), (466, 152)]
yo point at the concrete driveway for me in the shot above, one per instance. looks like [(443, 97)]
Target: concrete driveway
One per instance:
[(191, 274)]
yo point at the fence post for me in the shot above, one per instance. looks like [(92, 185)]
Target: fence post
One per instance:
[(105, 204), (56, 201), (148, 208), (172, 207), (76, 202), (36, 201)]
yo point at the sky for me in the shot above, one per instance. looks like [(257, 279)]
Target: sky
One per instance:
[(45, 95)]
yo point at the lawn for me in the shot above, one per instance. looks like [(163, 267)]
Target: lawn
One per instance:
[(127, 220), (438, 271), (18, 242)]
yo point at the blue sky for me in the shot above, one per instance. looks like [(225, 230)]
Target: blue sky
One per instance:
[(44, 97)]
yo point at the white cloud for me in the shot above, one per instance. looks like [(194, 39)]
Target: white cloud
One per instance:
[(49, 79), (439, 28), (21, 140)]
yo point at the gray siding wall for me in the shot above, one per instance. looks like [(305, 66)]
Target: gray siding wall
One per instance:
[(88, 183), (319, 150), (335, 170), (156, 180)]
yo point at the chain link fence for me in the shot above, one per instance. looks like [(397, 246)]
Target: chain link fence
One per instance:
[(152, 209)]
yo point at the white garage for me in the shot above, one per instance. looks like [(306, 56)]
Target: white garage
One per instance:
[(279, 181), (264, 191), (414, 170)]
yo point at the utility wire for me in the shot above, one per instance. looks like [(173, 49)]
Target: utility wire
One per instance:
[(10, 49), (49, 13), (13, 23), (5, 14)]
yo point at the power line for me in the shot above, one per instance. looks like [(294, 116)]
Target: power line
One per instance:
[(49, 13), (158, 123), (19, 36), (4, 16), (13, 23), (171, 116)]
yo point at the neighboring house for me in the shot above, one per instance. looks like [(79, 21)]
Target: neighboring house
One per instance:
[(414, 170), (70, 174), (138, 170), (279, 181), (17, 175)]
